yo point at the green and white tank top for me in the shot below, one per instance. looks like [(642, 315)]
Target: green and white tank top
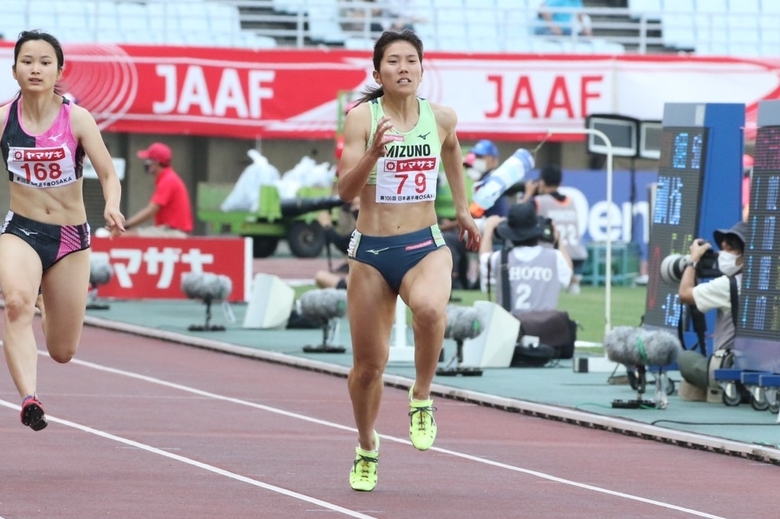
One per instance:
[(409, 171)]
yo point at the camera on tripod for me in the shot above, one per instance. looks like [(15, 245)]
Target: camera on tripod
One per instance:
[(672, 267)]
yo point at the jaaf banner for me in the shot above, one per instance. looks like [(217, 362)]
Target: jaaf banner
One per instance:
[(290, 93)]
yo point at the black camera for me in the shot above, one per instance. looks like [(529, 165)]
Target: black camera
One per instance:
[(672, 267), (548, 230)]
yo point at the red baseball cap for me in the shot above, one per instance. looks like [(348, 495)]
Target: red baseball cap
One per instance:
[(157, 152)]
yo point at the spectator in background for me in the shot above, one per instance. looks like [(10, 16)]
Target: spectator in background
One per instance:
[(521, 232), (402, 15), (479, 163), (339, 235), (561, 210), (557, 23), (394, 16), (355, 17), (170, 204)]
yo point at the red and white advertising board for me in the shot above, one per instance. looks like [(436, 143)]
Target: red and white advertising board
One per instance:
[(289, 93), (151, 268)]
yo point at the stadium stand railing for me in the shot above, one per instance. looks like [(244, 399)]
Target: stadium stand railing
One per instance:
[(705, 27)]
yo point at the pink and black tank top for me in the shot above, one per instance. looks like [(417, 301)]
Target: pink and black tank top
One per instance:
[(53, 158)]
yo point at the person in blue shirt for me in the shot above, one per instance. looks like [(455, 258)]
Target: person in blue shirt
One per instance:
[(481, 160), (557, 23)]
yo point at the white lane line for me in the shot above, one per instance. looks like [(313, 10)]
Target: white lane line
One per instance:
[(207, 394), (585, 486), (198, 464), (326, 423)]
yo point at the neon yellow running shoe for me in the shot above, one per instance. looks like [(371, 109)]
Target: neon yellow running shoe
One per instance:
[(363, 476), (422, 426)]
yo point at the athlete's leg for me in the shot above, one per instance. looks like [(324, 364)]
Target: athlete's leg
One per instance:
[(371, 311), (20, 278), (39, 305), (426, 290), (65, 287)]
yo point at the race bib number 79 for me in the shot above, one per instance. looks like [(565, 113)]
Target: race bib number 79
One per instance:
[(403, 181)]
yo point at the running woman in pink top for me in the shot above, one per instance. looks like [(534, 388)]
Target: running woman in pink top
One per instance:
[(44, 246)]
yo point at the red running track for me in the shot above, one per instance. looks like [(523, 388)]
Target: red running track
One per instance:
[(141, 428)]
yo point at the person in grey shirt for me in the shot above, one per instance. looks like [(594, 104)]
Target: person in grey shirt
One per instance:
[(536, 273), (562, 211)]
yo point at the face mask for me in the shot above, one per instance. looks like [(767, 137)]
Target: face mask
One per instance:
[(473, 174), (479, 165), (727, 263)]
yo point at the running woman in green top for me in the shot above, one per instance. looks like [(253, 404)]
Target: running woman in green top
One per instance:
[(393, 143)]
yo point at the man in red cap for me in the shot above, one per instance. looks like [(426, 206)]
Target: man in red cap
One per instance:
[(170, 204)]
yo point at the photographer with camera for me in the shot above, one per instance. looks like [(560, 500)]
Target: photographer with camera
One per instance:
[(721, 294), (536, 273), (553, 204)]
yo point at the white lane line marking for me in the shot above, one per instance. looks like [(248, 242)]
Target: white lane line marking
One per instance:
[(198, 464), (207, 394), (326, 423), (585, 486)]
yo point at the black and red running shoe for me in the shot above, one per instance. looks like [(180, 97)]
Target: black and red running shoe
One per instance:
[(32, 414)]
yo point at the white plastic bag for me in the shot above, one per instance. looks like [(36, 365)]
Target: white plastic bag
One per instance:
[(245, 195)]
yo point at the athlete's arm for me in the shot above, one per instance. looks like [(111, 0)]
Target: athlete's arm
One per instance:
[(452, 160), (86, 131), (357, 161), (3, 115)]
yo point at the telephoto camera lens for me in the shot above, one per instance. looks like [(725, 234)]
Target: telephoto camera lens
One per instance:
[(672, 268)]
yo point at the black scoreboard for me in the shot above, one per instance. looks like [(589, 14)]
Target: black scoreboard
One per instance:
[(759, 314), (698, 191), (675, 218), (757, 343)]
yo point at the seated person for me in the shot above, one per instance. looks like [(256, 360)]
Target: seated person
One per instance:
[(536, 273), (169, 206), (328, 279), (562, 17), (712, 295), (338, 235)]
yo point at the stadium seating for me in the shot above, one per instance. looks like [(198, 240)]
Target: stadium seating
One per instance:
[(709, 27), (194, 22), (715, 27)]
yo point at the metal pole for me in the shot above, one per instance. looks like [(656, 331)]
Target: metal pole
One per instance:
[(608, 269)]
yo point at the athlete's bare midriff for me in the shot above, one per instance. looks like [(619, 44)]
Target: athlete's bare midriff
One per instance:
[(377, 219), (62, 205)]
